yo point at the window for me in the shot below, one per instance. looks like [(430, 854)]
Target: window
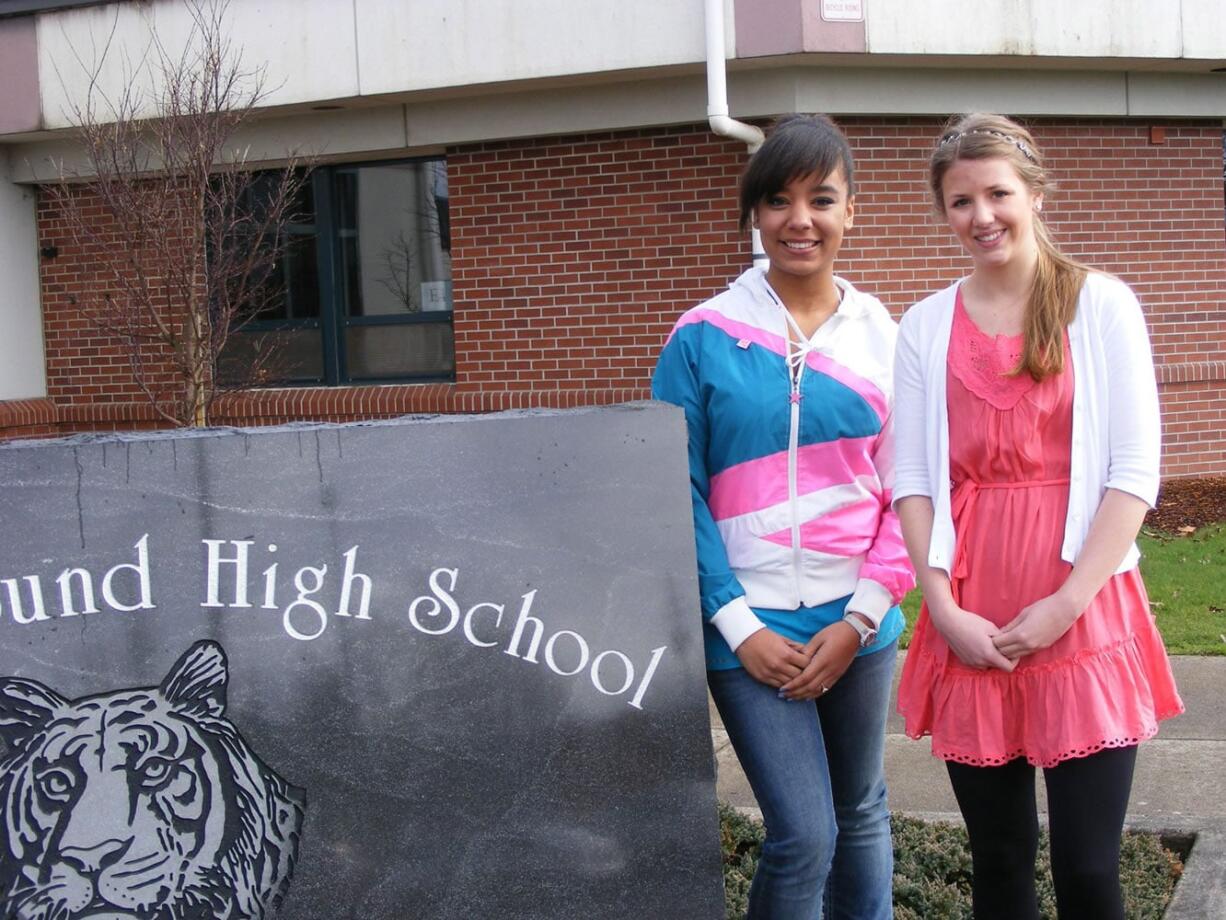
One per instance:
[(364, 284)]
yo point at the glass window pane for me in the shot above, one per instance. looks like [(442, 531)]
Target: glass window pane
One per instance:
[(395, 238), (411, 350), (301, 274), (291, 289), (303, 209), (262, 186), (266, 357), (345, 205)]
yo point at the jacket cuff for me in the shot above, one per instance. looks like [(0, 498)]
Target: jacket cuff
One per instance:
[(736, 622), (871, 599)]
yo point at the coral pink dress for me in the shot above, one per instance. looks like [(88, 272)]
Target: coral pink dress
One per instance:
[(1107, 681)]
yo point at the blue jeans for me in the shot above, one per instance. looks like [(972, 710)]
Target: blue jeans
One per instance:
[(817, 770)]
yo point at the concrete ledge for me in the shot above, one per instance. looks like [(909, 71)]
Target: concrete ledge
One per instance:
[(1201, 890)]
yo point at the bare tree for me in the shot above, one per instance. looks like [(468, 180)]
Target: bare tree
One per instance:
[(398, 271), (398, 255), (183, 234)]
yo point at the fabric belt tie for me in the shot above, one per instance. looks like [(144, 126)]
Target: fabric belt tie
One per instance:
[(962, 502)]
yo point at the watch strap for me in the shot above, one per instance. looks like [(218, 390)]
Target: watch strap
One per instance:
[(867, 634)]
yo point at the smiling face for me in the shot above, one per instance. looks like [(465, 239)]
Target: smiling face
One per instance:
[(991, 211), (802, 226)]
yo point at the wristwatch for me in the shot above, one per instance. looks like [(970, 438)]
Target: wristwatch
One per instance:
[(868, 634)]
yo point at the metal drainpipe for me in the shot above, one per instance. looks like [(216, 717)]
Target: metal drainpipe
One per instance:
[(717, 103)]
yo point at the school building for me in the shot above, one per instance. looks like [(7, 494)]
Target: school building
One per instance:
[(515, 200)]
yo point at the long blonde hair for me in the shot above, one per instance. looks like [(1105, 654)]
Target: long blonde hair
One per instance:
[(1058, 279)]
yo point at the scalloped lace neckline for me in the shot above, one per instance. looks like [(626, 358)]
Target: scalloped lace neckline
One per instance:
[(982, 362)]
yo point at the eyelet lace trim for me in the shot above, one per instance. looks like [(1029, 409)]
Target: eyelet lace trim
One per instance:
[(982, 362), (1044, 763)]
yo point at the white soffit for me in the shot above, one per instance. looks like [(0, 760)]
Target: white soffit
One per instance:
[(415, 125), (1188, 95)]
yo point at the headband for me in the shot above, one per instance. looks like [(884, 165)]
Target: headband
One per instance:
[(1020, 144)]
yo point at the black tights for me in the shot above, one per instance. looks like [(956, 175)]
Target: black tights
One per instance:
[(1086, 801)]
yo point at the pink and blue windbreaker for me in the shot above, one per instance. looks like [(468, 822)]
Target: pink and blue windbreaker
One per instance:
[(791, 471)]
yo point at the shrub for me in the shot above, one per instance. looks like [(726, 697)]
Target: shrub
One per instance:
[(932, 869)]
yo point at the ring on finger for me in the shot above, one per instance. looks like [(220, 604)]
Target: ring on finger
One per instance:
[(825, 689)]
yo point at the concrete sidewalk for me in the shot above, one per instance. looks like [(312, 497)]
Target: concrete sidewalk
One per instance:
[(1179, 787)]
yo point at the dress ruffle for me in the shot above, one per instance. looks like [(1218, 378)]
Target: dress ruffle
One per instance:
[(1095, 698)]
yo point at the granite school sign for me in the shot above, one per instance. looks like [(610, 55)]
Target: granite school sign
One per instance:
[(430, 668)]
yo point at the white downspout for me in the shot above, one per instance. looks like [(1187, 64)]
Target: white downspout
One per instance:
[(717, 84), (717, 100)]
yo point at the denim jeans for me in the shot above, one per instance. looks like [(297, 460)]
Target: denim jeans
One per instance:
[(817, 771)]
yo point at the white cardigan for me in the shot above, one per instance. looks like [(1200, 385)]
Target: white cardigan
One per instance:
[(1116, 430)]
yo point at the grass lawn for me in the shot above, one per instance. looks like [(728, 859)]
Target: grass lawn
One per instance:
[(1186, 579), (1185, 575)]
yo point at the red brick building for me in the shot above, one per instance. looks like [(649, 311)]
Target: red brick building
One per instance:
[(571, 252)]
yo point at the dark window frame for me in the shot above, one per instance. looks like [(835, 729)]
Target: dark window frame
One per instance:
[(333, 320)]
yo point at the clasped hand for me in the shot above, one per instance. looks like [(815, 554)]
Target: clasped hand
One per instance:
[(980, 643), (972, 638), (801, 672), (1036, 627)]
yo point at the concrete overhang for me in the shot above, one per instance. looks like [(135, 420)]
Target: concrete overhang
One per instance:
[(430, 120)]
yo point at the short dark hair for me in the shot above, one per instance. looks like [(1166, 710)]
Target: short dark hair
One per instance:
[(798, 145)]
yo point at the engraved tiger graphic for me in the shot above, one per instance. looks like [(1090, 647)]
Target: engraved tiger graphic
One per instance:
[(143, 803)]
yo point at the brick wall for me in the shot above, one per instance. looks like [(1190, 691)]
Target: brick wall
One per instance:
[(573, 259), (1151, 213), (1194, 423), (90, 379), (573, 256)]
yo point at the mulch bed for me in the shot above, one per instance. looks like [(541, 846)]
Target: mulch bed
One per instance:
[(1189, 503)]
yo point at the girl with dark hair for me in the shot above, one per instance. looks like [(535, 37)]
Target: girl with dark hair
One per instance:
[(785, 380), (1028, 445)]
